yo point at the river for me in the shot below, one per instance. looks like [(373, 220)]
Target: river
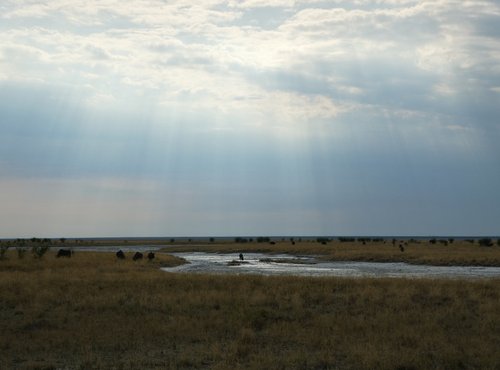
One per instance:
[(284, 264)]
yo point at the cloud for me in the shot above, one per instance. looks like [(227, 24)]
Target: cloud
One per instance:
[(242, 91)]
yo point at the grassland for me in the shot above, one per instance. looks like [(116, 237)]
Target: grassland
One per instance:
[(94, 312), (460, 253)]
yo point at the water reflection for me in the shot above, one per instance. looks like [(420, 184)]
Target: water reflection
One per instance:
[(264, 264)]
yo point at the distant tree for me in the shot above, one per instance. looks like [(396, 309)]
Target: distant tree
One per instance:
[(172, 240), (346, 240), (21, 252), (485, 242), (39, 250), (211, 240), (3, 249)]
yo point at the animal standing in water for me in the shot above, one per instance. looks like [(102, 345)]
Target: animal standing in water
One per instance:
[(241, 257)]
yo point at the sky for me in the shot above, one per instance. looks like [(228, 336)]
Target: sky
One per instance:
[(256, 117)]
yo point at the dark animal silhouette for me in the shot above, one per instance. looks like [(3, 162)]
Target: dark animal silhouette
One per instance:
[(151, 256), (401, 248), (64, 253), (241, 257), (120, 255), (137, 256)]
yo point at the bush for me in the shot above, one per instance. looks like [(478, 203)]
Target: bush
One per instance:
[(21, 252), (3, 250), (39, 250), (485, 242), (345, 240)]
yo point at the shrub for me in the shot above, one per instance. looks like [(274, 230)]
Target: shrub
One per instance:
[(485, 242), (3, 250), (344, 239), (39, 250), (21, 252)]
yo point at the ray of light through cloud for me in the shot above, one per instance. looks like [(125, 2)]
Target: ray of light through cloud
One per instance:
[(222, 117)]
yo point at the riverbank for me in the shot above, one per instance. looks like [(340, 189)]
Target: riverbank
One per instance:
[(94, 311)]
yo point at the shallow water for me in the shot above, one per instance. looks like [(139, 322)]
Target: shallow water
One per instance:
[(217, 263)]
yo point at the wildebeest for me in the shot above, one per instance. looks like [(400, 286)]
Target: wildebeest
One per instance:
[(120, 255), (151, 256), (137, 256), (241, 257), (401, 248), (64, 253)]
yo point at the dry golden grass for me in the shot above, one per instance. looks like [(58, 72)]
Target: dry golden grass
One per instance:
[(422, 252), (95, 312)]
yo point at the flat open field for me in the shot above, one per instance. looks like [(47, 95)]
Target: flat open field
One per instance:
[(93, 311)]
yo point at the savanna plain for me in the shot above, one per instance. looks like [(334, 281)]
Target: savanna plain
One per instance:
[(94, 311)]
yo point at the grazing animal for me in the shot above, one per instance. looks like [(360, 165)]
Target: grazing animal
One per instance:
[(120, 255), (151, 256), (401, 248), (64, 253), (241, 257), (137, 256)]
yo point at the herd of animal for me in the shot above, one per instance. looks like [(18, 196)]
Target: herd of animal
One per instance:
[(120, 255), (137, 256)]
